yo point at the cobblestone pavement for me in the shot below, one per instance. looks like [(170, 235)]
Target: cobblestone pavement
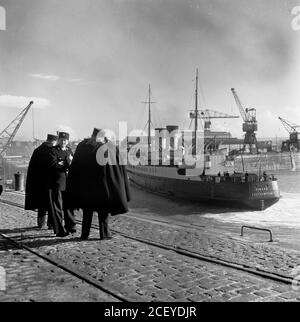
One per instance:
[(29, 278), (258, 256), (141, 272), (264, 257)]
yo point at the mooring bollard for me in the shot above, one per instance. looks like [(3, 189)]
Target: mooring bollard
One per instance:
[(19, 181), (257, 228)]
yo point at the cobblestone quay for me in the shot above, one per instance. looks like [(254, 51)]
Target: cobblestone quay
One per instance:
[(141, 272)]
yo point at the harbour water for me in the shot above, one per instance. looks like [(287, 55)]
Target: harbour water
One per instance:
[(289, 181), (285, 213)]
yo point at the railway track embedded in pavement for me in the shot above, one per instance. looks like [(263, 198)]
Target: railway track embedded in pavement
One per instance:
[(214, 260)]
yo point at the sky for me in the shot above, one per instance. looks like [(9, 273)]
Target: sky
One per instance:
[(89, 63)]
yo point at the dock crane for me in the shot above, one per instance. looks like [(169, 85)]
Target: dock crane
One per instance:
[(9, 133), (207, 115), (7, 136), (294, 131), (249, 125)]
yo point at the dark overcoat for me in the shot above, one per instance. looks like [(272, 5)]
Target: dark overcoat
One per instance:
[(94, 186), (58, 172), (38, 178)]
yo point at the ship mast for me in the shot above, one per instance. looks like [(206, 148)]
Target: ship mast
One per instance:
[(196, 103), (196, 114), (149, 120)]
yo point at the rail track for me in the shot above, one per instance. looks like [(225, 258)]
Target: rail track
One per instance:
[(214, 260), (71, 271)]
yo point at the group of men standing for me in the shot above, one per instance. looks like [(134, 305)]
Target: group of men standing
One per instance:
[(46, 184), (59, 182)]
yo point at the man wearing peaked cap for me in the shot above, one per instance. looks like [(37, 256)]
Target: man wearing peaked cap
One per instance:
[(83, 158), (38, 182), (61, 158), (95, 133), (64, 135), (96, 188), (51, 137)]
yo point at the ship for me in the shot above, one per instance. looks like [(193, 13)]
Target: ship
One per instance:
[(210, 179)]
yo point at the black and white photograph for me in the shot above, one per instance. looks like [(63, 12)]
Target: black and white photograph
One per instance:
[(149, 154)]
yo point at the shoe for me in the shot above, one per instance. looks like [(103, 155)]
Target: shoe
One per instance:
[(84, 238), (50, 227), (62, 234), (71, 231)]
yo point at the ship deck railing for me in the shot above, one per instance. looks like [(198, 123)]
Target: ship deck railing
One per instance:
[(236, 179)]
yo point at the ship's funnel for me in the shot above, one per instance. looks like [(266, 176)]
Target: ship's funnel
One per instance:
[(173, 130)]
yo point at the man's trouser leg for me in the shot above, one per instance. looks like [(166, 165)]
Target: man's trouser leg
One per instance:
[(69, 216), (41, 217), (104, 230), (87, 217), (50, 219), (50, 215), (57, 211)]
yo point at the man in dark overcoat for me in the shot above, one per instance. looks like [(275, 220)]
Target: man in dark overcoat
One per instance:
[(38, 182), (60, 160), (97, 187)]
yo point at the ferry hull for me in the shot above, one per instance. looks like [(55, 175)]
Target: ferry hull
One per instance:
[(250, 195)]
